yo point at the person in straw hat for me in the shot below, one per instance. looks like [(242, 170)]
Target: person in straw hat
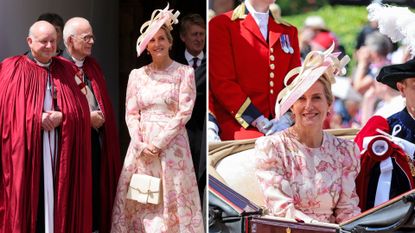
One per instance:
[(305, 173), (159, 102)]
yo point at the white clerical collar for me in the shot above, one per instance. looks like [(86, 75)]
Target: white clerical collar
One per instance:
[(46, 65), (78, 63), (189, 57)]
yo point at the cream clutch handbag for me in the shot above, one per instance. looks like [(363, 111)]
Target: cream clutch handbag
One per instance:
[(144, 189)]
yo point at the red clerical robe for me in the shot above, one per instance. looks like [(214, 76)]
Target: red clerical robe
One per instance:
[(110, 166), (246, 72), (22, 93)]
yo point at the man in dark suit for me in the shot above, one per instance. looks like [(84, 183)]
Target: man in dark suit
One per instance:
[(193, 35), (197, 130)]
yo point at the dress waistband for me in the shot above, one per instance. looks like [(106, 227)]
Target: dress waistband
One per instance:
[(156, 116)]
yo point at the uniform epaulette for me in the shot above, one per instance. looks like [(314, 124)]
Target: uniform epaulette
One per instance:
[(239, 12), (281, 21)]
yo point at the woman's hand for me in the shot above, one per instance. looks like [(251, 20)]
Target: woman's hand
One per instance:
[(154, 149), (150, 152)]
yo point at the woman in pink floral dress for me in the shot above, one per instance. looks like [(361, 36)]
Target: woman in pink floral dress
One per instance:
[(159, 102), (305, 173)]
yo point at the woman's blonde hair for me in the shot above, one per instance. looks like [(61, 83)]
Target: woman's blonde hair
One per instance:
[(168, 34), (327, 89)]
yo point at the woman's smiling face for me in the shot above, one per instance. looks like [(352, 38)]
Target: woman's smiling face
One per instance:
[(159, 45), (311, 109)]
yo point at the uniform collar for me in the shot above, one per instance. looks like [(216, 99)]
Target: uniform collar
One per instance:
[(241, 11), (406, 119), (259, 17)]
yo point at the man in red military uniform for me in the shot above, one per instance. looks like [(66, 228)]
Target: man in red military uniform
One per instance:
[(250, 52)]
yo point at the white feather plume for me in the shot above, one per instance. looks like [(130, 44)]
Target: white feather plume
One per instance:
[(394, 22)]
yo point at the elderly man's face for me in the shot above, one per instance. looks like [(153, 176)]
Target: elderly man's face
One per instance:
[(194, 39), (83, 41), (42, 43), (407, 89)]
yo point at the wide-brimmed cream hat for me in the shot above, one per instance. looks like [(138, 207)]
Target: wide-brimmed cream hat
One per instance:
[(151, 27), (315, 22), (315, 65)]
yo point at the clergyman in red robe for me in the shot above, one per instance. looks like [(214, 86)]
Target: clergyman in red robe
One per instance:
[(45, 176), (106, 159)]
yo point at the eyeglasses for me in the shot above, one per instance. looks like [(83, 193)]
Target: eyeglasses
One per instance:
[(86, 38)]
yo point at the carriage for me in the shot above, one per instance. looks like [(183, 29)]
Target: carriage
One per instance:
[(236, 204)]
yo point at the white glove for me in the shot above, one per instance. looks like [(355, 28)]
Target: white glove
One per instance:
[(262, 124), (407, 146), (277, 125), (212, 132)]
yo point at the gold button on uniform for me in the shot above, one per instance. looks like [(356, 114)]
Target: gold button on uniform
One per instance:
[(272, 50), (271, 83), (271, 91), (271, 75), (272, 66), (272, 58)]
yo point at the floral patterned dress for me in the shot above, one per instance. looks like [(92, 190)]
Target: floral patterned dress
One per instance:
[(308, 184), (158, 105)]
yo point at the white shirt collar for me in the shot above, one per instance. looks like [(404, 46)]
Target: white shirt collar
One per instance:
[(189, 57), (46, 65), (260, 17), (78, 63)]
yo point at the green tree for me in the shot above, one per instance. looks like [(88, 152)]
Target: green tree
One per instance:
[(344, 21), (291, 7)]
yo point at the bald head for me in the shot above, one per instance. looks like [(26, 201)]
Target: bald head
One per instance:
[(40, 27), (42, 41), (78, 37)]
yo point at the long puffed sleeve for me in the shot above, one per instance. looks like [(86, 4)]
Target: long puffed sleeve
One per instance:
[(347, 206), (187, 97), (272, 173), (132, 113)]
